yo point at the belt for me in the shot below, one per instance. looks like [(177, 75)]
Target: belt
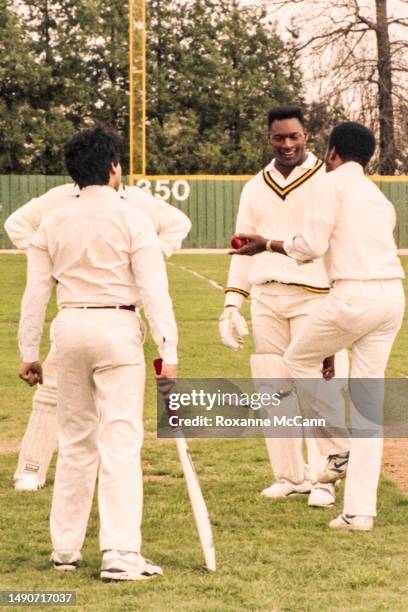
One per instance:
[(123, 307)]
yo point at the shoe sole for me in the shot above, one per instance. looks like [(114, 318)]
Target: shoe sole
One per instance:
[(68, 567), (350, 528), (321, 505)]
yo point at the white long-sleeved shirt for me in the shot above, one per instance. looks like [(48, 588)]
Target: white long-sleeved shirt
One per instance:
[(101, 252), (271, 204), (171, 224), (350, 220)]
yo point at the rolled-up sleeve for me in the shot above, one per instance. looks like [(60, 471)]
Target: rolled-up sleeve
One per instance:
[(313, 239), (299, 249)]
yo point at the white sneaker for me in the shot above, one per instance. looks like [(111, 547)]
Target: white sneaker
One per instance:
[(65, 560), (322, 496), (286, 488), (352, 523), (335, 469), (125, 565), (27, 482)]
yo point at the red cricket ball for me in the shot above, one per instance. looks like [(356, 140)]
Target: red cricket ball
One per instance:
[(238, 243)]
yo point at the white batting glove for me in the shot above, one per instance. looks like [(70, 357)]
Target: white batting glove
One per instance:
[(232, 327)]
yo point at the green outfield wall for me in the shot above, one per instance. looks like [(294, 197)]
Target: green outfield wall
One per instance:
[(211, 202)]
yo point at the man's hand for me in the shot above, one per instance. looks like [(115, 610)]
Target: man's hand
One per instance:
[(328, 369), (31, 373), (168, 371), (232, 327), (254, 244), (166, 379)]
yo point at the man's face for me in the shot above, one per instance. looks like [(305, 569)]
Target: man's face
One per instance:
[(288, 138)]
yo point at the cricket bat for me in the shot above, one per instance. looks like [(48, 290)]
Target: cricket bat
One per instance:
[(198, 505)]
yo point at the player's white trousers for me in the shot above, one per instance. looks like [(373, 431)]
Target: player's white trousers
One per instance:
[(40, 439), (277, 312), (368, 315), (101, 375)]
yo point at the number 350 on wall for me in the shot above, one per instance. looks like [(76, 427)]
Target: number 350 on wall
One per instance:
[(180, 190)]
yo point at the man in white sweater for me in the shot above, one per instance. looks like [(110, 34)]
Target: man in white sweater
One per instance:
[(351, 222), (283, 294), (40, 438)]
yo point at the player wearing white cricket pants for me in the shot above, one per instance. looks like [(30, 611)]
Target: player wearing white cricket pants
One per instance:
[(282, 296), (351, 221), (39, 442), (98, 249)]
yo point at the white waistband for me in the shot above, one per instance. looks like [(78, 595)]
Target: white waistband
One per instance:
[(379, 281)]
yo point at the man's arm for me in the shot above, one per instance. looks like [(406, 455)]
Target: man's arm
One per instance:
[(170, 223), (313, 239), (297, 248), (173, 227), (151, 279), (238, 285), (232, 325), (40, 283), (22, 224), (258, 244), (25, 221)]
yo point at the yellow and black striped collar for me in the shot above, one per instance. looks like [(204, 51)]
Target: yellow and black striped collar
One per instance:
[(282, 192)]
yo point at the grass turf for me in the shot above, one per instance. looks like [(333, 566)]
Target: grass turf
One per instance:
[(271, 556)]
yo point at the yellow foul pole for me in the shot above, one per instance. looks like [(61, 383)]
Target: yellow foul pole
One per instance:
[(137, 89)]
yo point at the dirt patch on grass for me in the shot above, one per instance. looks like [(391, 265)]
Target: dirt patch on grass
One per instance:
[(395, 461)]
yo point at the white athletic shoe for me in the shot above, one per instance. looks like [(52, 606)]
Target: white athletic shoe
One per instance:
[(65, 560), (286, 488), (322, 496), (352, 523), (125, 565), (27, 482), (335, 469)]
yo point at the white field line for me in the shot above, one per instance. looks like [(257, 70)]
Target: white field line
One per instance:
[(211, 282)]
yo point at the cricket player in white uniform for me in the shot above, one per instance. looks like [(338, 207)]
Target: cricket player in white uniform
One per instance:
[(350, 220), (98, 249), (282, 296), (39, 442)]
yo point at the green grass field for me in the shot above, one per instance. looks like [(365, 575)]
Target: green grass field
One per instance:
[(271, 555)]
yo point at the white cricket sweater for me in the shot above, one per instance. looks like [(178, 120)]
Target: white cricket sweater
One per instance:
[(275, 209)]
